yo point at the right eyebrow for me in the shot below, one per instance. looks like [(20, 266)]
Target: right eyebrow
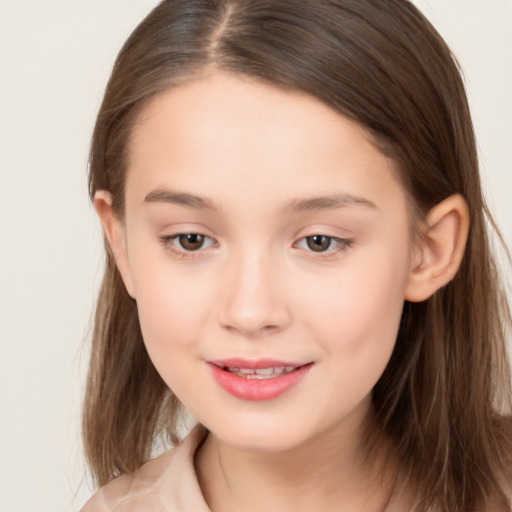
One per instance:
[(179, 198)]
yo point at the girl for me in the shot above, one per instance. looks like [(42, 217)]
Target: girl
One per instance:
[(298, 255)]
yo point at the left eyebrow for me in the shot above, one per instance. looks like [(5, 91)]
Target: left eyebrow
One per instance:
[(328, 203)]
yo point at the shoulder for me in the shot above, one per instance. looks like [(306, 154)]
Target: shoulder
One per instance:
[(506, 477), (116, 496), (161, 485), (501, 501), (137, 492)]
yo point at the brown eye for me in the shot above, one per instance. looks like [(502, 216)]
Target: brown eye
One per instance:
[(191, 241), (319, 243), (323, 245)]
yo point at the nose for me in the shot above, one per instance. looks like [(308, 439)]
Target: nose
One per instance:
[(253, 299)]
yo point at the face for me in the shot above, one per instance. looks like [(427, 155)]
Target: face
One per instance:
[(266, 242)]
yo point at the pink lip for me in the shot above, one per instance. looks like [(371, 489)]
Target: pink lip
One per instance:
[(255, 389)]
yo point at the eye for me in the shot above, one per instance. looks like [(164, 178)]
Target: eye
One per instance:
[(323, 244), (187, 242)]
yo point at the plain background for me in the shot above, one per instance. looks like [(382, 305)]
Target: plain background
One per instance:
[(55, 58)]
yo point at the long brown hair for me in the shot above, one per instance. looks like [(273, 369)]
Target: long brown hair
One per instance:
[(445, 394)]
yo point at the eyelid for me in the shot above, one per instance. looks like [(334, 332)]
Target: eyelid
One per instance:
[(168, 242), (343, 244)]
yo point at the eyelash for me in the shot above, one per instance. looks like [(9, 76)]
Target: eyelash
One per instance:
[(343, 245), (168, 242)]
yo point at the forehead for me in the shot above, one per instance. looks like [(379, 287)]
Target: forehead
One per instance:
[(230, 138)]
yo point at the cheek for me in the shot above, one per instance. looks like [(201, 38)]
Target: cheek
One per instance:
[(173, 315), (358, 319), (174, 305), (172, 308), (357, 337)]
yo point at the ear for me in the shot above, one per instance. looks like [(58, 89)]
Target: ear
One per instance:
[(115, 235), (439, 254)]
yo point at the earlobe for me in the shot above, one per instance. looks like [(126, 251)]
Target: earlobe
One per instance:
[(439, 255), (114, 233)]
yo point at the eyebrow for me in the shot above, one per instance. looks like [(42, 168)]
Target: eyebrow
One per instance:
[(330, 202), (181, 199)]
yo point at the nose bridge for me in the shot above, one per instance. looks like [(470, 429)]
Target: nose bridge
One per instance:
[(253, 299)]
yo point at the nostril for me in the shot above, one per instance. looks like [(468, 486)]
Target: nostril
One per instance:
[(251, 329)]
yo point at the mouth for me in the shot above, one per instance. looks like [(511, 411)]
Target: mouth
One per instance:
[(258, 380), (260, 373)]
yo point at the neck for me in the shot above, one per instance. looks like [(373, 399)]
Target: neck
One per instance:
[(332, 472)]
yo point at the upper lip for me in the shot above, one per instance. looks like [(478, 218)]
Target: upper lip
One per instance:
[(254, 364)]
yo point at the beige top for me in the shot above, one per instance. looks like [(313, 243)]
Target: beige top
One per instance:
[(165, 484), (169, 484)]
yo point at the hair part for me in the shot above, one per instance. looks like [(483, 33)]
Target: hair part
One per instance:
[(445, 393)]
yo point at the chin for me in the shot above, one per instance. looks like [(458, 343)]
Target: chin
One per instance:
[(262, 435), (270, 443)]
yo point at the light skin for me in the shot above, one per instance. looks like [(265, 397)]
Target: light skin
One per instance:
[(278, 274)]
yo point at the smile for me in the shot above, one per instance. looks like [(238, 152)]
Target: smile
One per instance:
[(262, 380), (260, 373)]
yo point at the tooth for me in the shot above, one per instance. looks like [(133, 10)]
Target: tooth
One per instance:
[(265, 371), (261, 373)]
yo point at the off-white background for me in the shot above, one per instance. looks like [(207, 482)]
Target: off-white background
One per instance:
[(55, 57)]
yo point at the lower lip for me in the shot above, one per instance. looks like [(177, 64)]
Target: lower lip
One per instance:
[(258, 389)]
